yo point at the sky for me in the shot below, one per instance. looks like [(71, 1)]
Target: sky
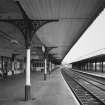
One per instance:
[(92, 40)]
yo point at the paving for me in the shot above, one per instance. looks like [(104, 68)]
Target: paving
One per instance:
[(53, 91)]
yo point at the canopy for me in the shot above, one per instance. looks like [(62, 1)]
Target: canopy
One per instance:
[(74, 17)]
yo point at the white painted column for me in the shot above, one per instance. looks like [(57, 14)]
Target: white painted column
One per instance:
[(50, 67), (28, 67), (45, 69), (45, 66), (28, 84), (13, 67), (13, 64)]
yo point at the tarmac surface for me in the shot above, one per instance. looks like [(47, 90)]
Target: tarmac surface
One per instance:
[(53, 91)]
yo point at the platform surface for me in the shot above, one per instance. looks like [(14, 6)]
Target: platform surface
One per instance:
[(98, 74), (53, 91)]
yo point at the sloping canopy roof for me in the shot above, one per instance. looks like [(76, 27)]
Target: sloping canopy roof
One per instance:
[(93, 59), (98, 55), (74, 18)]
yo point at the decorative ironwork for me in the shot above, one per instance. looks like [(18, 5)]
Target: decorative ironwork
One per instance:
[(39, 23), (13, 56), (21, 24), (33, 25), (46, 53), (50, 48), (27, 26)]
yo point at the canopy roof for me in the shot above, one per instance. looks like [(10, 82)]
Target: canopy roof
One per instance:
[(74, 17), (95, 56)]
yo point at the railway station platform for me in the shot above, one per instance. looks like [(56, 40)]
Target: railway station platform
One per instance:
[(53, 91), (98, 74)]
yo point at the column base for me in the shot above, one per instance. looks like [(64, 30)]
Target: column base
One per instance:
[(27, 92), (45, 76)]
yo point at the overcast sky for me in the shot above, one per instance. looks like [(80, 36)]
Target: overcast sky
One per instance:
[(92, 40)]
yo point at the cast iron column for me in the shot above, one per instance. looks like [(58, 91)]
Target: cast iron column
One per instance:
[(95, 66), (45, 72), (87, 66), (2, 64), (50, 67), (45, 61), (13, 64), (102, 65), (28, 83), (28, 27)]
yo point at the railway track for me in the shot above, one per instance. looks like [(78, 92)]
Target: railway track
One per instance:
[(92, 80), (86, 92)]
